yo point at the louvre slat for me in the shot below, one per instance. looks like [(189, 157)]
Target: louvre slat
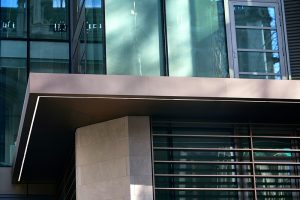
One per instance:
[(292, 15)]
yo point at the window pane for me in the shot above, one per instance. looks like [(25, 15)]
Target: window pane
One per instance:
[(260, 77), (94, 56), (196, 38), (200, 182), (278, 194), (189, 161), (220, 195), (133, 37), (13, 78), (94, 19), (49, 19), (94, 36), (255, 16), (50, 57), (259, 62), (257, 39), (207, 169), (13, 19)]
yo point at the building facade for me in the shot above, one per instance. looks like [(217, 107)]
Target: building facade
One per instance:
[(149, 99)]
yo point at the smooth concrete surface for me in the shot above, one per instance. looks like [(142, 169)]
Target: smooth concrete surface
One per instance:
[(140, 166), (162, 87), (113, 160), (8, 188)]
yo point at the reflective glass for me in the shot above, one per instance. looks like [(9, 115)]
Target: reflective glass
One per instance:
[(200, 182), (254, 16), (94, 20), (284, 195), (212, 155), (275, 182), (191, 162), (13, 18), (81, 48), (196, 38), (259, 62), (133, 37), (94, 36), (257, 39), (13, 79), (95, 61), (206, 142), (260, 77), (50, 57), (49, 19), (196, 168), (283, 170), (193, 195)]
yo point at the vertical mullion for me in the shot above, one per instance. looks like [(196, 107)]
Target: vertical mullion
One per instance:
[(295, 156), (28, 37), (70, 9), (280, 33), (104, 37), (253, 162), (164, 37), (233, 40), (152, 157)]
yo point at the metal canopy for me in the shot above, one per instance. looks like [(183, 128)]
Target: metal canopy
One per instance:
[(57, 104)]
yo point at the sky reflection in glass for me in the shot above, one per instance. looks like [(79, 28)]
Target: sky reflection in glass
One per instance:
[(92, 3), (9, 3)]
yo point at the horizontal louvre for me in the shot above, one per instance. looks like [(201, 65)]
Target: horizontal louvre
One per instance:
[(225, 161), (292, 15)]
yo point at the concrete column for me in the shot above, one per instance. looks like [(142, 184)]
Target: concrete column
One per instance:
[(113, 160)]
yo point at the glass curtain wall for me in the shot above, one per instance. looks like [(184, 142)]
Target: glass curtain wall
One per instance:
[(91, 54), (49, 28), (133, 37), (13, 19), (33, 38), (94, 27), (13, 73), (225, 161), (196, 39)]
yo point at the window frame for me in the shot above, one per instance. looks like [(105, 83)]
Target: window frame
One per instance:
[(231, 36)]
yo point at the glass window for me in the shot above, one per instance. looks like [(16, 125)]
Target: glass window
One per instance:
[(13, 18), (50, 57), (13, 79), (196, 38), (49, 19), (133, 37), (257, 16), (259, 62), (256, 34), (215, 161), (94, 37)]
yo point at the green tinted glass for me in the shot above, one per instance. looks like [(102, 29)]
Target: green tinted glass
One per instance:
[(259, 62), (133, 40), (254, 16), (13, 81), (196, 38), (257, 39), (50, 57)]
